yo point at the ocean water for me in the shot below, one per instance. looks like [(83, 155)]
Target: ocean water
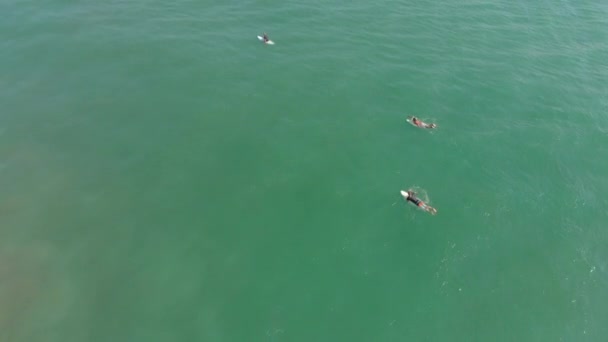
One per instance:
[(164, 176)]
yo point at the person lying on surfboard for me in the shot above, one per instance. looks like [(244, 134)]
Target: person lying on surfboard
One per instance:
[(422, 124), (410, 196)]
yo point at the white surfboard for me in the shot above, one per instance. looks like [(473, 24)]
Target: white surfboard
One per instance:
[(270, 42), (404, 194)]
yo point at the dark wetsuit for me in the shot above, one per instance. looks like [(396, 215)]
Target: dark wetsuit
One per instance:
[(415, 200)]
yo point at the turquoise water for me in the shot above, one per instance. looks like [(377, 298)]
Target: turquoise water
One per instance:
[(166, 177)]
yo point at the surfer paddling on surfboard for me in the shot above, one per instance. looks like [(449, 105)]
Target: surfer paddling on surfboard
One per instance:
[(264, 39), (410, 196), (417, 122)]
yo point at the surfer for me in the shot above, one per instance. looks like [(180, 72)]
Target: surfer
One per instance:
[(411, 197), (265, 37), (419, 123)]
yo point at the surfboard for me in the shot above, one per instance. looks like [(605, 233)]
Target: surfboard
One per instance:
[(270, 42)]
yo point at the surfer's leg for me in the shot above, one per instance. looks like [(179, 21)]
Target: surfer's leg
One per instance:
[(427, 208)]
